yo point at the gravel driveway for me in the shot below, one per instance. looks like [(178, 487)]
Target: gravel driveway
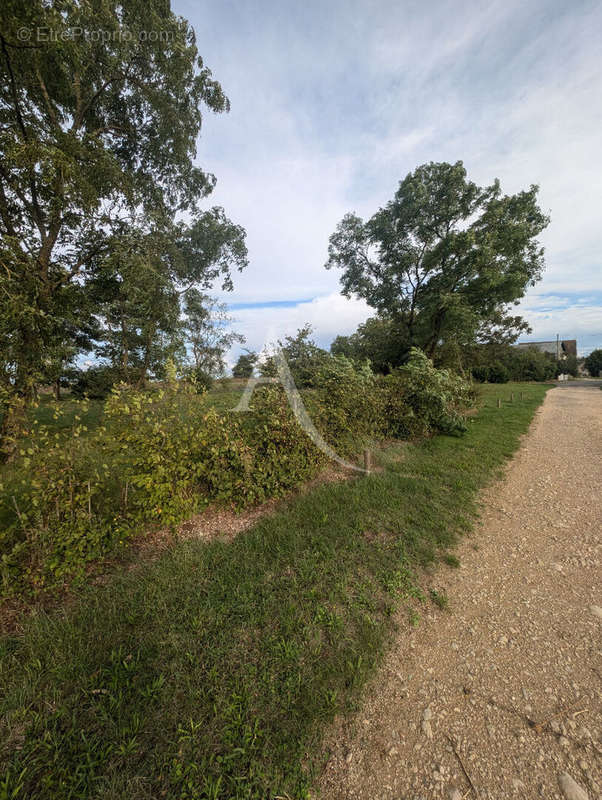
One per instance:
[(499, 696)]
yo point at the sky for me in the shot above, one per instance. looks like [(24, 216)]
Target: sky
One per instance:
[(334, 102)]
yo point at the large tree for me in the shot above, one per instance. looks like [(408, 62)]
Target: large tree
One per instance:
[(445, 258), (100, 111)]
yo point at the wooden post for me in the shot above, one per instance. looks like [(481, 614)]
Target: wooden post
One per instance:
[(499, 403), (367, 461), (522, 396), (512, 397)]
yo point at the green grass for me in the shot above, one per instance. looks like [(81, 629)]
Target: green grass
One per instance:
[(212, 672)]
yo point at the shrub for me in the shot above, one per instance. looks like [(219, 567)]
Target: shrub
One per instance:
[(498, 373), (165, 454), (480, 374), (593, 363), (202, 380), (343, 406), (421, 399), (95, 382), (532, 365)]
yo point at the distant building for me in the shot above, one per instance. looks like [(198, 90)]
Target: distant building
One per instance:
[(559, 348)]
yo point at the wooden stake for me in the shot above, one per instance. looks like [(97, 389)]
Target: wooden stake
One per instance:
[(499, 403), (512, 397), (367, 461)]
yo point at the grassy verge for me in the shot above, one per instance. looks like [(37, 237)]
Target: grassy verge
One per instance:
[(212, 672)]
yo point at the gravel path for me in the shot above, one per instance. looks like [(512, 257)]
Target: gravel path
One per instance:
[(500, 696)]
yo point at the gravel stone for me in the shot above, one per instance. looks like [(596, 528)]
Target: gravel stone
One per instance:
[(527, 665)]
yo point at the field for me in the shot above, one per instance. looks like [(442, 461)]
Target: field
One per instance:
[(212, 672)]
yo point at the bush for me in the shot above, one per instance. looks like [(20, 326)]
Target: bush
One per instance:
[(165, 454), (480, 374), (202, 380), (420, 399), (498, 373), (593, 363), (532, 365), (95, 382), (343, 402)]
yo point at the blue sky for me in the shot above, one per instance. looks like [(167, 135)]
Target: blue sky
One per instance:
[(333, 103)]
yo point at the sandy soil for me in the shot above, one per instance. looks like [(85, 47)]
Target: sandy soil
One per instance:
[(500, 695)]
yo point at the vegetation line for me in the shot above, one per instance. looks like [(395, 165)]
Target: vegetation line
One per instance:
[(211, 672)]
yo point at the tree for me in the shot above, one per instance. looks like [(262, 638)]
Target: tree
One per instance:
[(593, 363), (97, 133), (302, 354), (445, 258), (245, 365), (206, 329), (379, 340)]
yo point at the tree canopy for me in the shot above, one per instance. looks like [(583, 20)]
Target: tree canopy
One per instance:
[(445, 258), (593, 363), (99, 192)]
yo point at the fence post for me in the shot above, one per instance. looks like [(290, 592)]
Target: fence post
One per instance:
[(512, 397), (499, 403), (367, 461)]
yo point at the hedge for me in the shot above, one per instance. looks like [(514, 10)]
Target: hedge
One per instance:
[(165, 454)]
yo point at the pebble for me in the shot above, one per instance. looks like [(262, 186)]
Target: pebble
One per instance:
[(426, 729), (427, 714), (596, 611), (517, 784), (455, 794), (570, 788)]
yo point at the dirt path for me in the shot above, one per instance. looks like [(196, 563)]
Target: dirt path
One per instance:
[(503, 690)]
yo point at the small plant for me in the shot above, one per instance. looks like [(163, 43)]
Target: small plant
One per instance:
[(451, 560), (413, 617), (439, 599)]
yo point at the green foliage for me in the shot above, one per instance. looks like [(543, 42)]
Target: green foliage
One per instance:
[(380, 340), (481, 373), (531, 365), (206, 325), (165, 453), (345, 402), (303, 356), (97, 144), (95, 382), (245, 365), (444, 258), (568, 366), (202, 380), (593, 363), (422, 400), (498, 373), (517, 364)]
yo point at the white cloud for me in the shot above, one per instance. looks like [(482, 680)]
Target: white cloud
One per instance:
[(330, 315), (333, 103)]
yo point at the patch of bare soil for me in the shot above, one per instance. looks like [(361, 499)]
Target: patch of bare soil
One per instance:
[(499, 697)]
